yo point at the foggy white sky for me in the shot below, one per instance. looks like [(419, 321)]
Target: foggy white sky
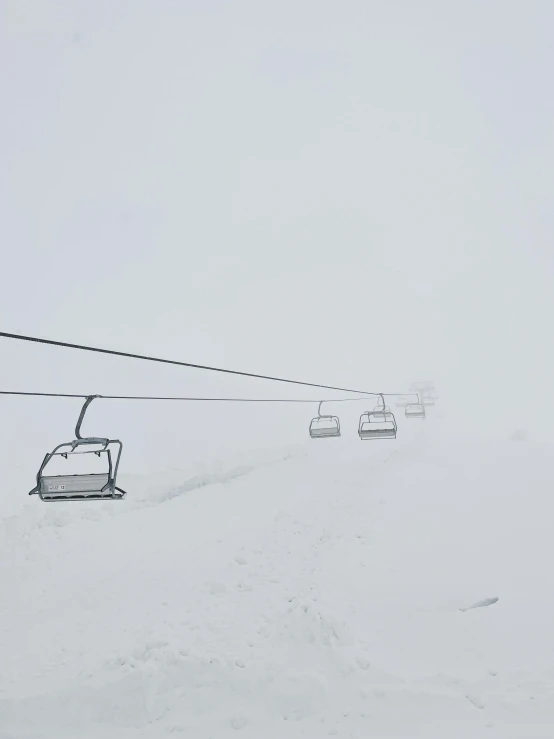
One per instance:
[(352, 192)]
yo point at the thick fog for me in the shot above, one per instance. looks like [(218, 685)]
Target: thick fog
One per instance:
[(353, 193)]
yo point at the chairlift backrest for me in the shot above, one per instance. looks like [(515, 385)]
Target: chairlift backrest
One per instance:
[(63, 487)]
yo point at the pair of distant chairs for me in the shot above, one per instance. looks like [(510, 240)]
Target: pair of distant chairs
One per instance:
[(379, 423)]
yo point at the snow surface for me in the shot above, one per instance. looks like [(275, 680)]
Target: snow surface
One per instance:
[(320, 590)]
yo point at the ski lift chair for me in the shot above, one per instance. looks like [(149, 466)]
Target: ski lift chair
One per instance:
[(87, 485), (414, 410), (428, 400), (324, 426), (377, 424)]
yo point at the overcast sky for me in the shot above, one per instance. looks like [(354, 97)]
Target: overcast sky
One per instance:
[(354, 192)]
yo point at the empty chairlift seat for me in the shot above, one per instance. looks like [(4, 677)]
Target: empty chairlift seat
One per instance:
[(324, 426), (414, 410), (98, 458), (84, 485), (377, 425)]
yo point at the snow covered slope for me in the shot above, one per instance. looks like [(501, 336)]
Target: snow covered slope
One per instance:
[(308, 592)]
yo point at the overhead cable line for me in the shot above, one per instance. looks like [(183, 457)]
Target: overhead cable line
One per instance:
[(82, 347), (157, 397)]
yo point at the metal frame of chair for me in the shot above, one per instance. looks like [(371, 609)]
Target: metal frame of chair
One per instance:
[(87, 486), (377, 418), (321, 431)]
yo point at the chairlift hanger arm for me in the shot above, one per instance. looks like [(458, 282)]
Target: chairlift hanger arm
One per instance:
[(88, 439), (86, 404)]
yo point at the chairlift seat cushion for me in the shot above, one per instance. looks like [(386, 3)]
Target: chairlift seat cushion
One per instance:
[(67, 487), (415, 410), (316, 433), (382, 433)]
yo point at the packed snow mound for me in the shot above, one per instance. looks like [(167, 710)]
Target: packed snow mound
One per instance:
[(321, 591)]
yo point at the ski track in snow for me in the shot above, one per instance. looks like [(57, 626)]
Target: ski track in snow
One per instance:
[(309, 592)]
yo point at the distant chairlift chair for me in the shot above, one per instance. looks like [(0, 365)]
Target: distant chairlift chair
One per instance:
[(415, 410), (85, 486), (377, 424), (323, 427)]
